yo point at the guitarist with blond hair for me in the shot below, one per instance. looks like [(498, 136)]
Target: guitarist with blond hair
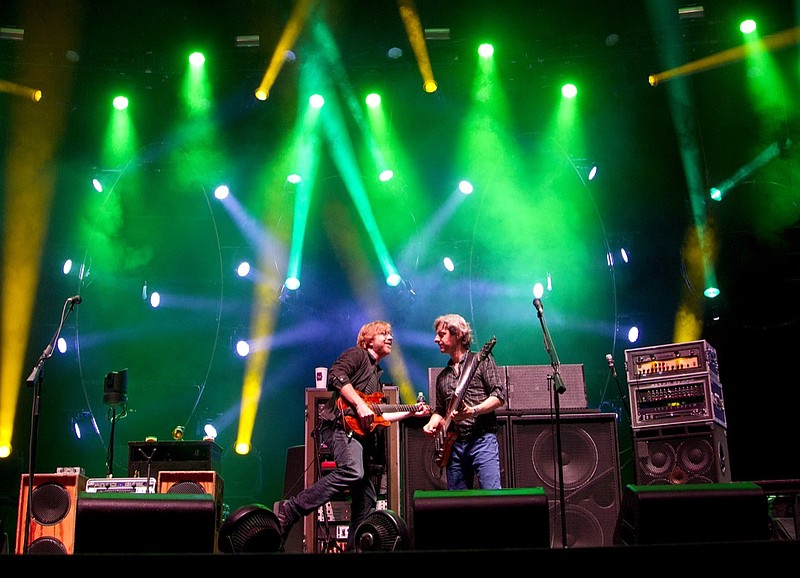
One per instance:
[(350, 425), (463, 424)]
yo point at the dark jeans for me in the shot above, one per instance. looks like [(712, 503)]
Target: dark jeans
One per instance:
[(349, 474)]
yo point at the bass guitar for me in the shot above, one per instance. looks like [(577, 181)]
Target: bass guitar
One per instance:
[(352, 423), (445, 437)]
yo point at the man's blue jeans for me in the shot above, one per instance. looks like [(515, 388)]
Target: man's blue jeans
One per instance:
[(478, 457)]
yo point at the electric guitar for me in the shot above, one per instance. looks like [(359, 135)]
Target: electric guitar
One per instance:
[(444, 438), (352, 423)]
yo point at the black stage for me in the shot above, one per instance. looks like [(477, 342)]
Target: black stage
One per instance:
[(660, 559)]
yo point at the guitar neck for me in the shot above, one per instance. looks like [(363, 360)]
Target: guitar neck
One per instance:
[(388, 408), (469, 372)]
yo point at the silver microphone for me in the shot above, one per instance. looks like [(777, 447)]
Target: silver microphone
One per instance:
[(75, 300), (610, 360), (537, 303)]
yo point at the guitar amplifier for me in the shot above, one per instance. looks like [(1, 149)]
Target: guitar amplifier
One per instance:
[(671, 361), (147, 459), (530, 388)]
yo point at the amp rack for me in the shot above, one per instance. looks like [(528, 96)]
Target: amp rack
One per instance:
[(676, 402), (675, 360)]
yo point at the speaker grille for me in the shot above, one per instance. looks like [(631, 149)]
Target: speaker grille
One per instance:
[(49, 504), (590, 463), (186, 487), (580, 455), (529, 388), (691, 455), (47, 545)]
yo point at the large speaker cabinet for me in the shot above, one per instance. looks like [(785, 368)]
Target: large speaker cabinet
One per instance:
[(54, 503), (418, 470), (591, 478), (689, 454), (338, 511)]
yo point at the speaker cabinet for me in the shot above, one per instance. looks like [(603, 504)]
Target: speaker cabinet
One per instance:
[(590, 464), (530, 388), (337, 511), (293, 485), (433, 373), (188, 482), (418, 470), (480, 519), (692, 513), (696, 454), (146, 524), (54, 503)]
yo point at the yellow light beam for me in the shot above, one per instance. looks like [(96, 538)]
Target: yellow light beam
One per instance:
[(773, 42), (416, 36), (19, 90), (289, 36)]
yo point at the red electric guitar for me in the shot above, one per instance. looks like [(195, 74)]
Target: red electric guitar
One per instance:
[(352, 423)]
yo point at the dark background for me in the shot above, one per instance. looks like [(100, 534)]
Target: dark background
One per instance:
[(181, 364)]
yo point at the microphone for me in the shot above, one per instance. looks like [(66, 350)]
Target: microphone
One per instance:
[(610, 360), (75, 300), (538, 304)]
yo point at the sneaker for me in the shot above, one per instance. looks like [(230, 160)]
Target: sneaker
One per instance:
[(285, 520)]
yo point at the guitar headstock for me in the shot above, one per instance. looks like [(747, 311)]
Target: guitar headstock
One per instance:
[(487, 348)]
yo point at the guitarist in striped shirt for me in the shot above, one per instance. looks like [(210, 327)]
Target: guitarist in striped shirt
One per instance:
[(464, 423)]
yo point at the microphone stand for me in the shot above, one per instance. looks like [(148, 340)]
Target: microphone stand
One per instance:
[(625, 399), (558, 388), (35, 380)]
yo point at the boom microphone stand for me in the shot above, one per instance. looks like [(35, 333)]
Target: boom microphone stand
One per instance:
[(558, 389), (35, 380)]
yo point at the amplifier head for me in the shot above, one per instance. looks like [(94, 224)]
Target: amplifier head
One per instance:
[(671, 361)]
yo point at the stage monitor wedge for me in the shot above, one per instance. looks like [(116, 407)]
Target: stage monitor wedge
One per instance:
[(693, 513), (481, 519), (146, 524)]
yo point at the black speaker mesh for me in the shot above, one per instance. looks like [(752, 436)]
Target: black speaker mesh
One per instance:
[(530, 388), (695, 454), (580, 457), (49, 504), (186, 487), (47, 545), (583, 527), (590, 464)]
